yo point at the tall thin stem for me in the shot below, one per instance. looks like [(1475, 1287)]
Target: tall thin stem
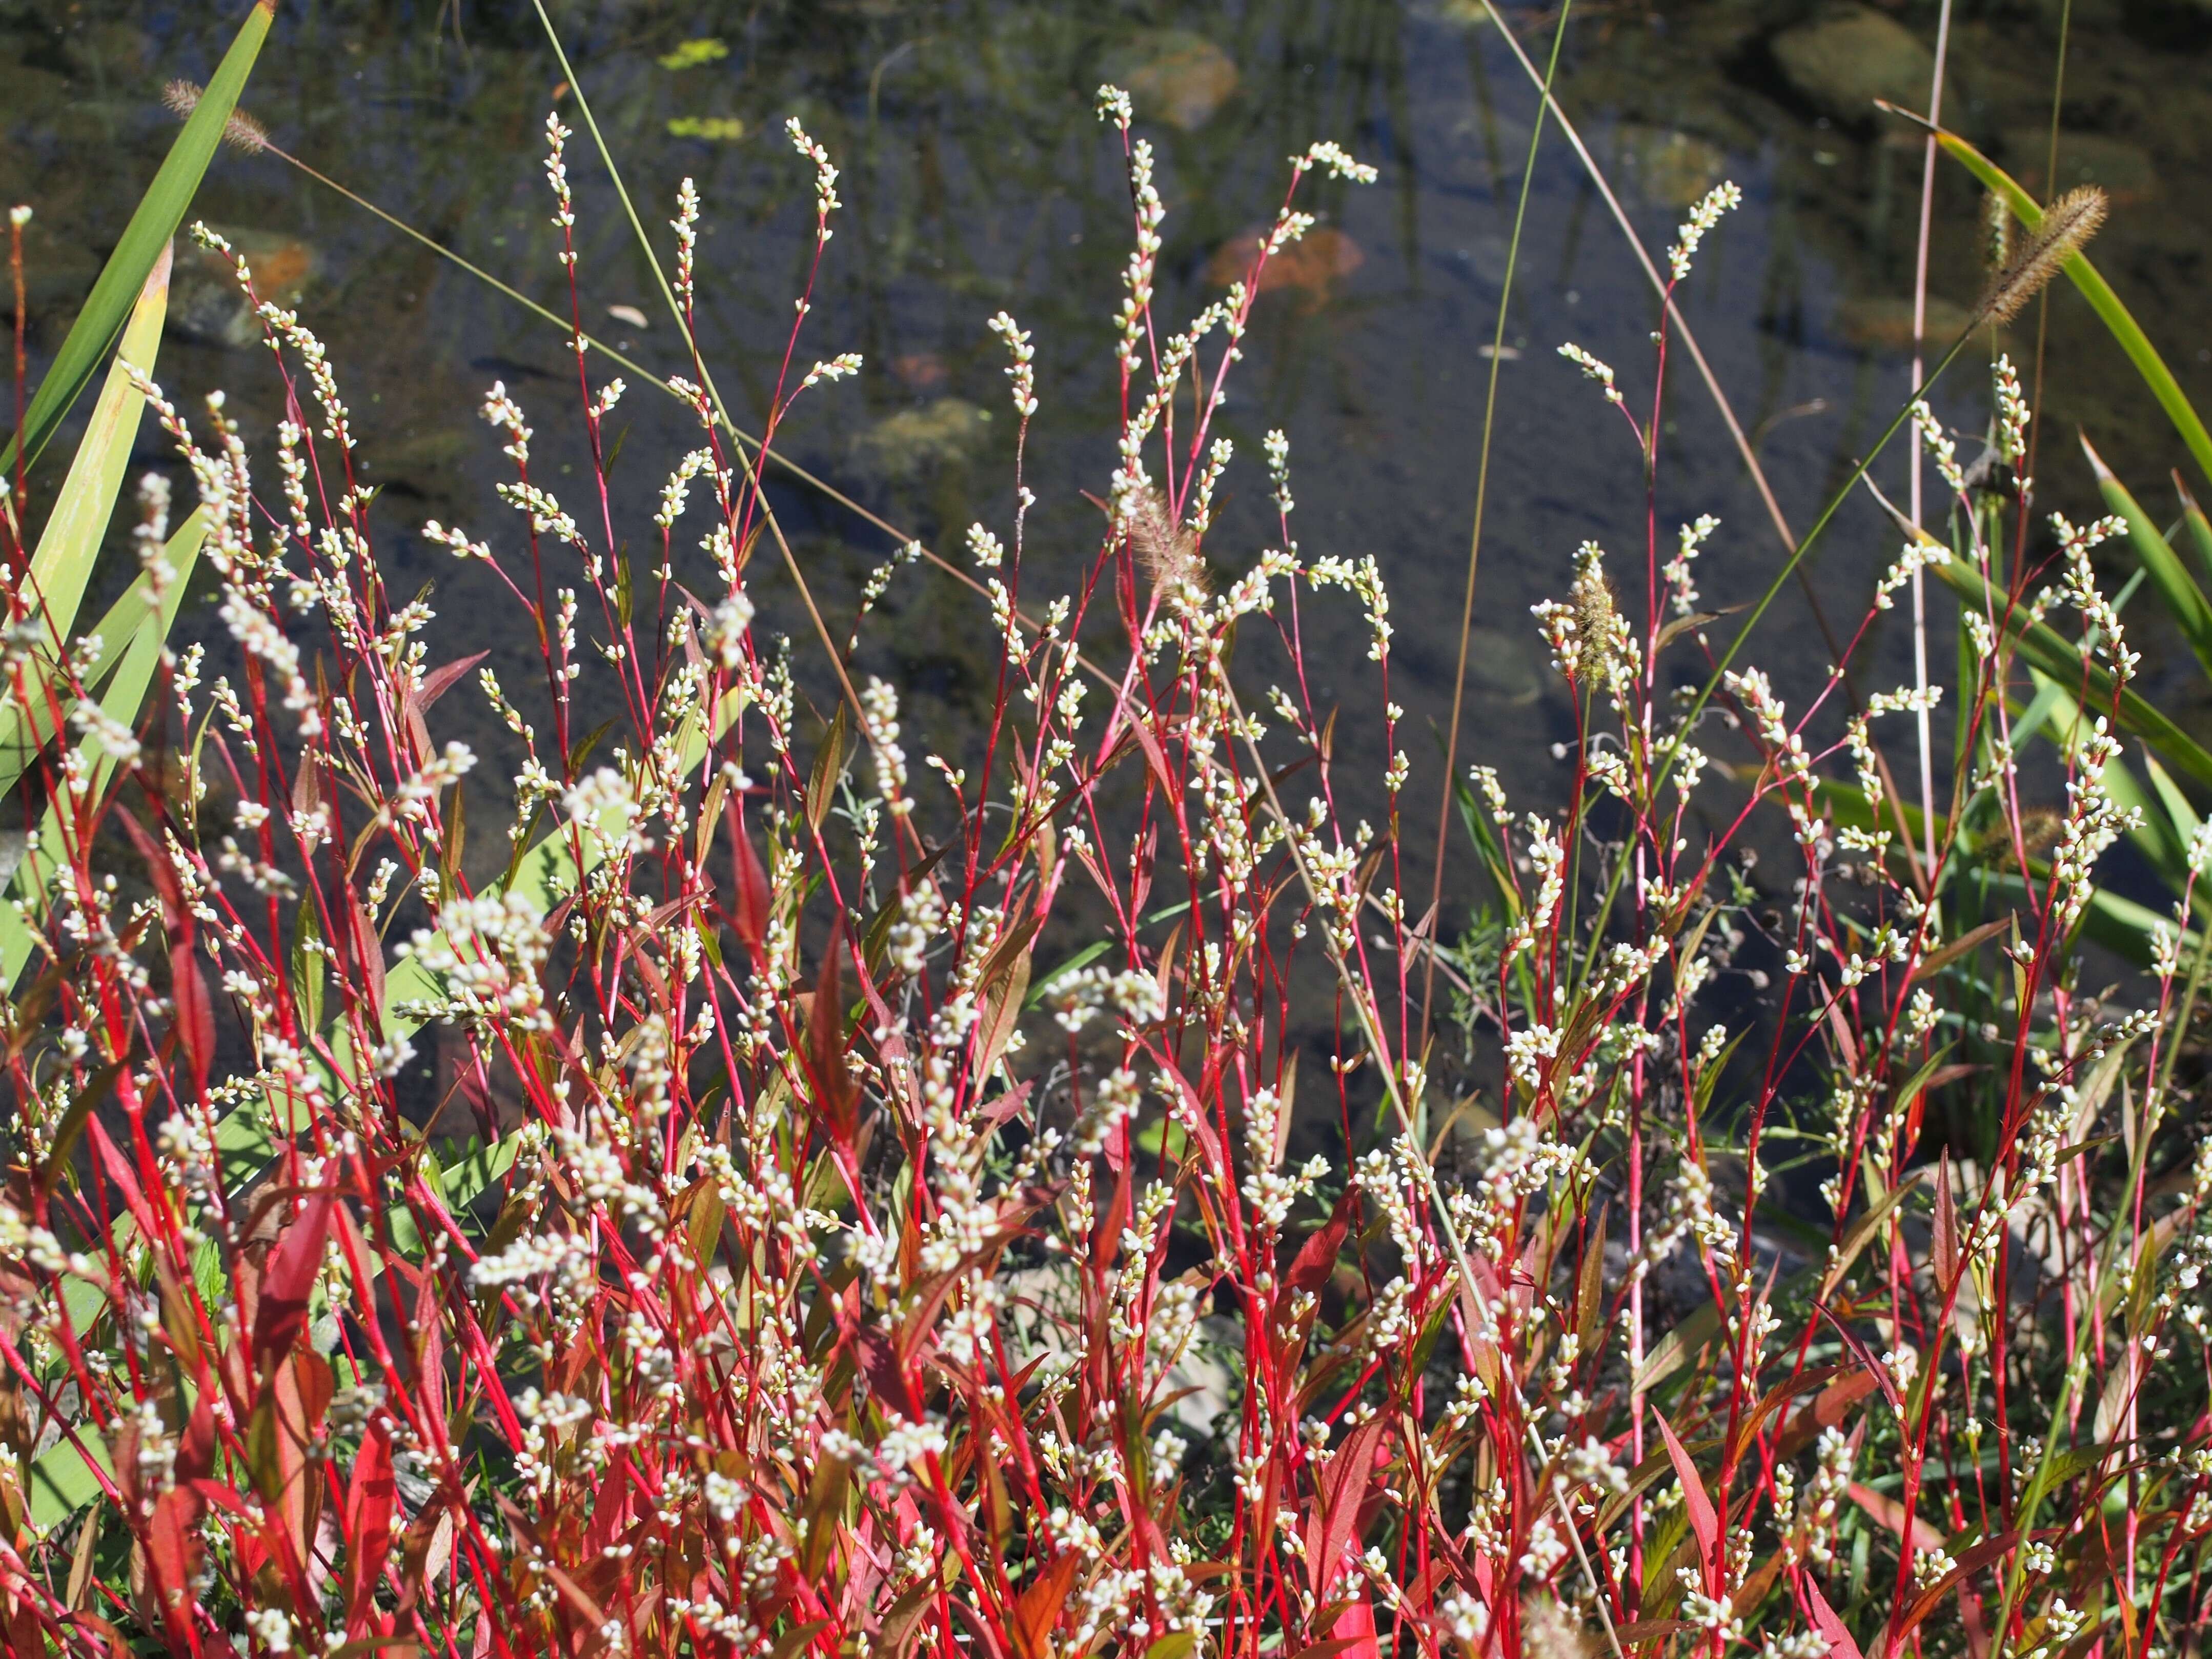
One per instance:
[(1919, 333), (1481, 500)]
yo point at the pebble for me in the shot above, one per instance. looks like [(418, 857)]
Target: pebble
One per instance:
[(1312, 265), (1174, 76), (914, 441), (1668, 168), (1886, 325), (1845, 56), (206, 305)]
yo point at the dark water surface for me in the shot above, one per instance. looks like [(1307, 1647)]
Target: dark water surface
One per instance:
[(976, 176)]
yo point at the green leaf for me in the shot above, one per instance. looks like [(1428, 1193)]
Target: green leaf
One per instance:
[(68, 546), (2153, 834), (1676, 1349), (2184, 601), (62, 1481), (133, 672), (2200, 529), (2043, 648), (144, 239), (2106, 303)]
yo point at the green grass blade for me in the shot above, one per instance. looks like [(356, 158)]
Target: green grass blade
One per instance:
[(2184, 601), (158, 213), (69, 544), (2199, 530), (2106, 303), (2041, 646), (133, 674)]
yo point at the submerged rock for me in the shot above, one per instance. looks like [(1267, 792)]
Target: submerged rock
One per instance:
[(1886, 325), (1502, 667), (918, 371), (1312, 265), (1671, 170), (206, 304), (1174, 76), (1846, 56), (914, 441)]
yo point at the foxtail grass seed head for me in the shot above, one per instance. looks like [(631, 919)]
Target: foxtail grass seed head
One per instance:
[(1997, 232), (1165, 550), (240, 130), (2068, 224)]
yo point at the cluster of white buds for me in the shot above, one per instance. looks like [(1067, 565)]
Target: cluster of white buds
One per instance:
[(825, 177), (1601, 372), (1694, 229), (1022, 371)]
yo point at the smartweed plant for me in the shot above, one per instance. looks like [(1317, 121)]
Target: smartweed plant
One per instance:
[(831, 1276)]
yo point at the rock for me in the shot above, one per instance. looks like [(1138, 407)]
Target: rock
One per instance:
[(1312, 265), (1846, 56), (206, 305), (2127, 173), (1668, 168), (1886, 325), (1502, 667), (28, 92), (1174, 76), (918, 371), (915, 441)]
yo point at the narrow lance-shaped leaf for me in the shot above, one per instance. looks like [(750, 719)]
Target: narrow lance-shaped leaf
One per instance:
[(68, 546), (2185, 601), (2042, 646), (135, 667), (160, 211)]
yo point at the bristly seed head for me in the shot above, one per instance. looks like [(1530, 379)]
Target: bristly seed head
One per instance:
[(1166, 551), (242, 131), (2068, 224)]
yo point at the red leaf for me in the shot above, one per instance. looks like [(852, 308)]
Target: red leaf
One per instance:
[(1891, 1514), (196, 1451), (1353, 1635), (1037, 1609), (1317, 1258), (1944, 1242), (173, 1548), (1703, 1520), (369, 1521), (289, 1278), (438, 681), (1156, 758), (751, 916), (1335, 1526), (175, 916), (368, 953), (880, 1362), (837, 1099), (1823, 1616), (194, 1012)]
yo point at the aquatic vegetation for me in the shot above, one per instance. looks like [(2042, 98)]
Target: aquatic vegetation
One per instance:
[(874, 1196)]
